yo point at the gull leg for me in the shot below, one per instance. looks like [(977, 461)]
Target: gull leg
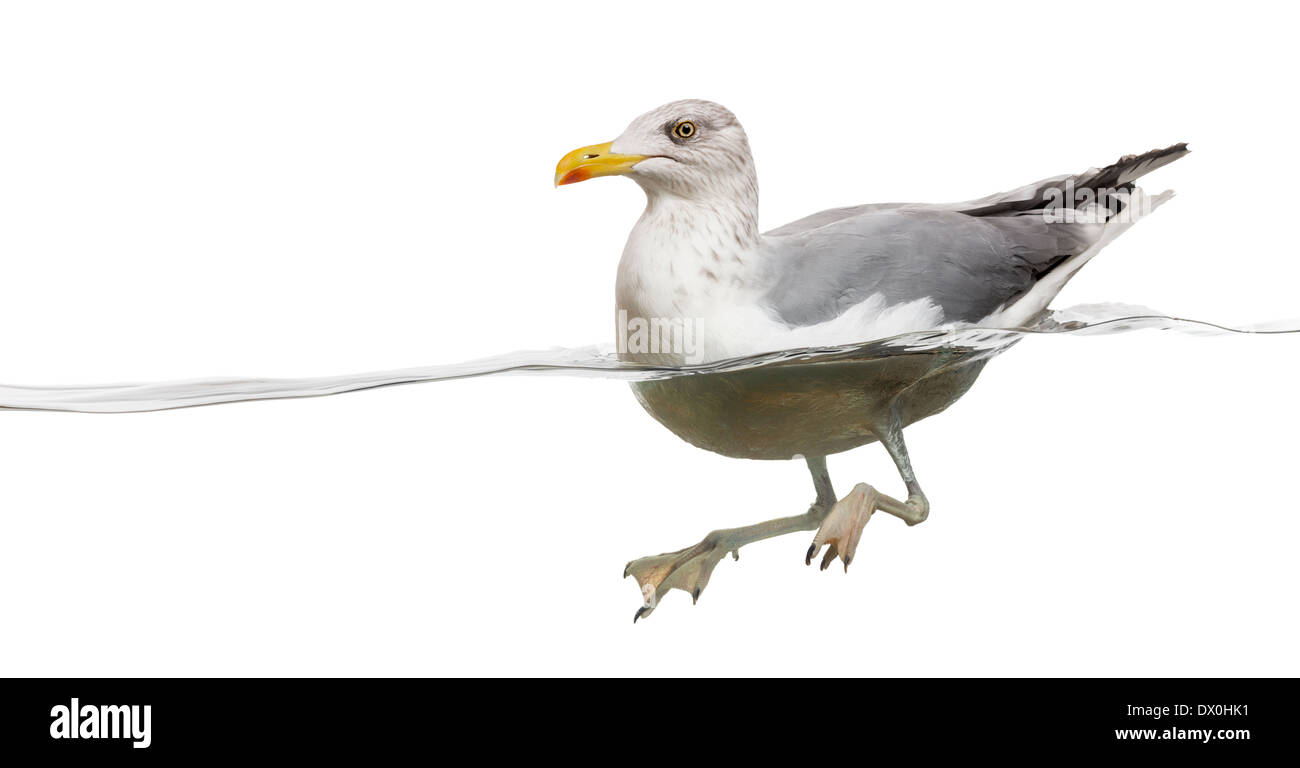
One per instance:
[(822, 482), (917, 508), (689, 569), (842, 528)]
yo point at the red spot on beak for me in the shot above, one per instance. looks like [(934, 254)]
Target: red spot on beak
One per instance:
[(575, 176)]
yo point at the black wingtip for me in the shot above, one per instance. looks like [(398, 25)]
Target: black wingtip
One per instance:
[(1126, 170)]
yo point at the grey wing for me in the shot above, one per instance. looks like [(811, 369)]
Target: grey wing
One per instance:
[(968, 266), (968, 258)]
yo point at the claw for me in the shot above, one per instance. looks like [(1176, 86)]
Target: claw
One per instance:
[(842, 528), (686, 569), (831, 551)]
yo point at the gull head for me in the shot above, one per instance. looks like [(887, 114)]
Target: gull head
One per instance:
[(689, 149)]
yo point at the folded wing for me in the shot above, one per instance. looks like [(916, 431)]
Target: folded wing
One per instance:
[(970, 259)]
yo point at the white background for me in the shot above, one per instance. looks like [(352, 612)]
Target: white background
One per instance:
[(308, 188)]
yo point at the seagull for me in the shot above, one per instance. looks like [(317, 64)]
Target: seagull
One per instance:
[(698, 282)]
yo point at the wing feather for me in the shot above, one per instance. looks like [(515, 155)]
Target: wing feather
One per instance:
[(969, 259)]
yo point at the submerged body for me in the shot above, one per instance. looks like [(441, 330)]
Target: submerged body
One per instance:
[(696, 260), (793, 410)]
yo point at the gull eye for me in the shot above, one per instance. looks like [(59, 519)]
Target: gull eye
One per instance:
[(684, 130)]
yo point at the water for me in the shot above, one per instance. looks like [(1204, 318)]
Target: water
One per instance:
[(600, 361)]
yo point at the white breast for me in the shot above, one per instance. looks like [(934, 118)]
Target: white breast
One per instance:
[(683, 260)]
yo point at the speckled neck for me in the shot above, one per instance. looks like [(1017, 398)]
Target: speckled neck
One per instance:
[(687, 249)]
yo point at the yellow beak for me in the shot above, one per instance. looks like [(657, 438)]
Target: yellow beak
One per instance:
[(589, 162)]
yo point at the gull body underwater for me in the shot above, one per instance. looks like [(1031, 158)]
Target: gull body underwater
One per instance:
[(697, 259)]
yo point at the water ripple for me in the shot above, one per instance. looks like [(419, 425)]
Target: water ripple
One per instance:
[(601, 361)]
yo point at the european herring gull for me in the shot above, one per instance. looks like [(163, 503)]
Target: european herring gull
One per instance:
[(699, 282)]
